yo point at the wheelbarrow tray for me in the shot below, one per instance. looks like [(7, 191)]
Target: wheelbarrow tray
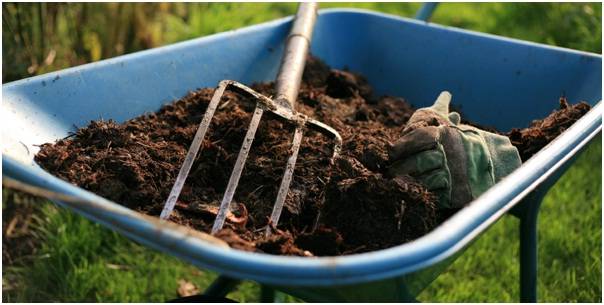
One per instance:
[(496, 81)]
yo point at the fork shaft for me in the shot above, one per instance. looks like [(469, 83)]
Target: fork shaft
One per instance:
[(294, 56), (236, 173)]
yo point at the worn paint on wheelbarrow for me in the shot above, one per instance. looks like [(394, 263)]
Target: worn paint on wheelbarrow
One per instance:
[(497, 81)]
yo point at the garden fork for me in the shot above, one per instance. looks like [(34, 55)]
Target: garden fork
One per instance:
[(283, 105)]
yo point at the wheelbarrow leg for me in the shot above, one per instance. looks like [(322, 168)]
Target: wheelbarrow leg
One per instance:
[(221, 286), (528, 259), (267, 294), (528, 214)]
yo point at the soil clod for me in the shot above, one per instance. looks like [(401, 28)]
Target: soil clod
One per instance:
[(530, 140)]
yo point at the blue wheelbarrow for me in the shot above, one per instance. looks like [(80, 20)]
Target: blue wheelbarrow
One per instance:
[(498, 81)]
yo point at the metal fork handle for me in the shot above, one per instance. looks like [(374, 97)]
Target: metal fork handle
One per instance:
[(294, 56)]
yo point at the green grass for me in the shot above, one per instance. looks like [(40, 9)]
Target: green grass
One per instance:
[(82, 261), (78, 260)]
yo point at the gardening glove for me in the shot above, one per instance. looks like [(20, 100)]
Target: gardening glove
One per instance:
[(457, 162)]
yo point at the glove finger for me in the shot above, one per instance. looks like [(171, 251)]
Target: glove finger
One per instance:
[(436, 180), (454, 118), (457, 161), (418, 140), (418, 164), (406, 166)]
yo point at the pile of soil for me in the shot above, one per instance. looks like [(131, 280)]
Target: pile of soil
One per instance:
[(348, 207), (530, 140)]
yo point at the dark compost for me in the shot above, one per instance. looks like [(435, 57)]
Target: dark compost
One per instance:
[(350, 207)]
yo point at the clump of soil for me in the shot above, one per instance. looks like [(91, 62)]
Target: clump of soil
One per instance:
[(530, 140), (347, 207), (363, 205)]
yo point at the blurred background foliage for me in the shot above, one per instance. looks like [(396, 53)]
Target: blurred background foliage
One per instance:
[(43, 37)]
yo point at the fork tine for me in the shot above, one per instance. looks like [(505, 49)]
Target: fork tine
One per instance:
[(236, 174), (193, 150), (287, 178)]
